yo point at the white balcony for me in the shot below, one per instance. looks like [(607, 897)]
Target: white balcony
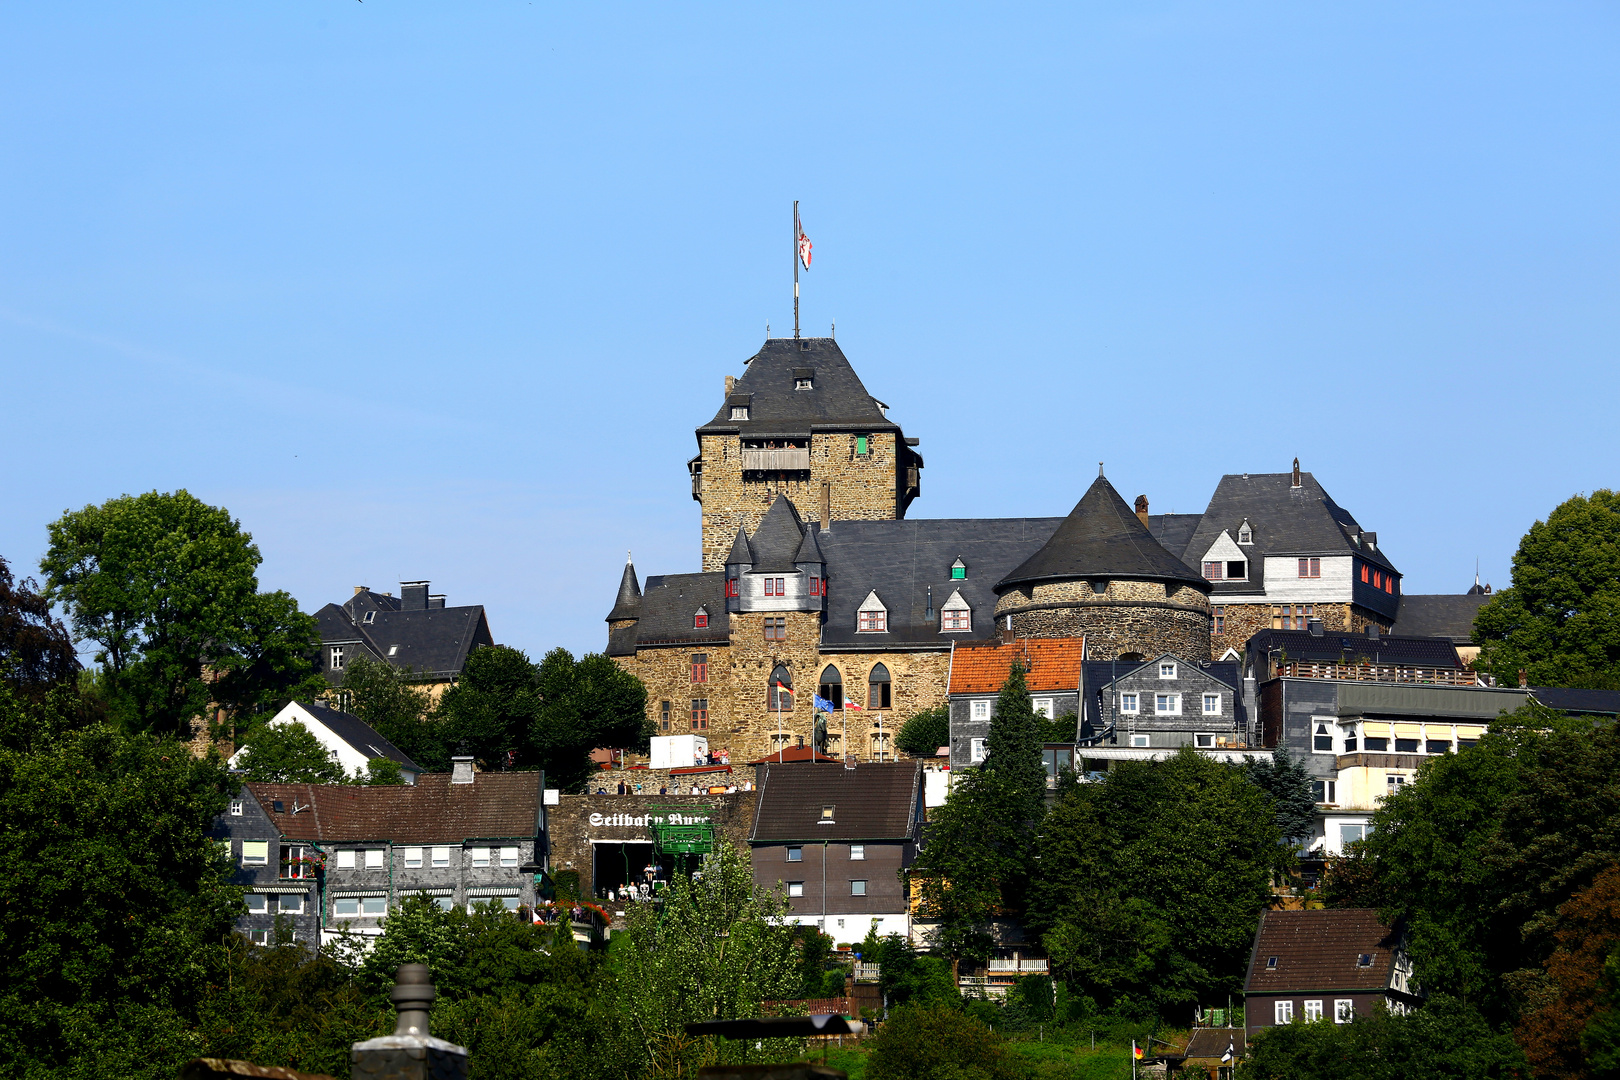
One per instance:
[(775, 460)]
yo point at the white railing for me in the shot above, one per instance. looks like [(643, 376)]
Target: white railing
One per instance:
[(1023, 965), (866, 972)]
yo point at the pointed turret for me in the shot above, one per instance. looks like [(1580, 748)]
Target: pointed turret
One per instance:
[(628, 604), (778, 537), (809, 553), (741, 554)]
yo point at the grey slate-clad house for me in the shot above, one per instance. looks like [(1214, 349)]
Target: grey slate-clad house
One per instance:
[(338, 857), (837, 839), (1166, 703), (414, 630)]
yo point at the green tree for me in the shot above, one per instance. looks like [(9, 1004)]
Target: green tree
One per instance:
[(716, 948), (1152, 881), (907, 977), (585, 704), (938, 1043), (1289, 785), (980, 853), (113, 896), (383, 772), (36, 651), (165, 586), (1560, 621), (925, 732), (288, 754), (391, 700), (489, 711)]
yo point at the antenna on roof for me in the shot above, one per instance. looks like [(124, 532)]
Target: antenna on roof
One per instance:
[(1099, 469)]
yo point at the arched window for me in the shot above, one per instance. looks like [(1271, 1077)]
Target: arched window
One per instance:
[(878, 694), (832, 686), (778, 695)]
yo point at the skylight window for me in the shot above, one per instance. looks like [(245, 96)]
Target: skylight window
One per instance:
[(393, 650), (827, 815), (371, 617)]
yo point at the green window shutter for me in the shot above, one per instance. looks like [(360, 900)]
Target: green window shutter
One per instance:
[(860, 444), (958, 573)]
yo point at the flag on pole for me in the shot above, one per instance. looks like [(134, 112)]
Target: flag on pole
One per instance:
[(851, 705), (785, 689), (804, 247), (1231, 1044), (819, 702), (1136, 1051)]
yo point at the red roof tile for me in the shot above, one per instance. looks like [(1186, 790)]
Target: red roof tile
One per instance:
[(1318, 951), (1049, 664), (431, 811)]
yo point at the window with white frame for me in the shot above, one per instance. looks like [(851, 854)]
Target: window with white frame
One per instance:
[(1313, 1010), (441, 857), (1344, 1010), (509, 856), (1245, 533), (1284, 1012), (873, 617), (1393, 782), (479, 855), (1043, 707), (255, 853), (739, 412), (1129, 703), (257, 903), (291, 904), (236, 808), (1212, 704), (795, 888), (1203, 740), (795, 854), (337, 658), (1322, 741), (857, 851), (345, 860), (981, 710), (413, 858), (374, 858), (975, 751), (955, 615), (1139, 740), (857, 887), (349, 907), (1167, 669), (1167, 704)]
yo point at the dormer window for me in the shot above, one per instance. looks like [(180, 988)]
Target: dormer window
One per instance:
[(873, 617), (371, 617), (803, 384), (955, 616), (1167, 669), (700, 621), (958, 570), (739, 412), (1245, 533)]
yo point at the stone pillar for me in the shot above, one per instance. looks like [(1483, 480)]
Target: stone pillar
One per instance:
[(410, 1053)]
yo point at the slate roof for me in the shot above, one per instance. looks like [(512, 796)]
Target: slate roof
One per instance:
[(881, 801), (1340, 647), (1286, 521), (1051, 664), (776, 542), (498, 805), (900, 560), (1317, 952), (433, 642), (1100, 673), (1570, 700), (838, 401), (628, 603), (1443, 615), (1102, 537), (667, 605), (364, 738)]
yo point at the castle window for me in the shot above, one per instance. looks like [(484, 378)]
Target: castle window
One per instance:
[(878, 688), (663, 716), (1378, 579), (700, 714), (770, 586), (1389, 584), (1237, 570), (779, 694), (873, 617), (1245, 534), (1220, 620), (863, 445), (832, 687), (1292, 616), (955, 615), (700, 667), (1364, 572), (739, 412), (815, 585), (776, 628), (700, 621), (1167, 669), (1214, 570), (958, 570), (1310, 568), (731, 587)]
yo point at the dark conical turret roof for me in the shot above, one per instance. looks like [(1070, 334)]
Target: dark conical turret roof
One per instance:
[(740, 551), (778, 537), (1102, 538), (809, 549), (628, 605)]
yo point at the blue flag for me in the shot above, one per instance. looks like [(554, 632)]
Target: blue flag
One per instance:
[(823, 704)]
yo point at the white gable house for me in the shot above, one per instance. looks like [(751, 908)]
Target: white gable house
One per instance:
[(353, 741)]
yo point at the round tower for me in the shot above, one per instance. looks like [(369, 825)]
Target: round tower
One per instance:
[(1103, 577)]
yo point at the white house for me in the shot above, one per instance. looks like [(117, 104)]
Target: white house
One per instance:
[(350, 738)]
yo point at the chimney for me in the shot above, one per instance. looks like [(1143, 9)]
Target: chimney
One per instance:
[(435, 600), (1141, 510), (461, 770), (1524, 679), (731, 384), (413, 596), (1296, 472), (358, 589), (826, 504), (410, 1053)]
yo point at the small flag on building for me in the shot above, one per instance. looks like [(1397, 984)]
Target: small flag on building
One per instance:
[(851, 705), (823, 704), (1231, 1044), (784, 689), (804, 247), (1136, 1051)]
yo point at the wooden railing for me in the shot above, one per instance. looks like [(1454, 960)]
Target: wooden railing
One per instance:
[(775, 460), (1432, 676)]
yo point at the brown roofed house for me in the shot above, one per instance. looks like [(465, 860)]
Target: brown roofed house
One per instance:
[(1325, 965), (837, 839)]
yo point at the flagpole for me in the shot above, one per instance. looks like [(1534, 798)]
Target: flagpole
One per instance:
[(795, 268)]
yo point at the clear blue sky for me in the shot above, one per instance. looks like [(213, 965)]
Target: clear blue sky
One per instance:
[(441, 290)]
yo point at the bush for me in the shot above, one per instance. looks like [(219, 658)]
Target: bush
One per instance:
[(938, 1043), (925, 732)]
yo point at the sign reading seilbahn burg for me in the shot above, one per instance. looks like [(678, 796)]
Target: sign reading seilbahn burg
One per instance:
[(631, 820)]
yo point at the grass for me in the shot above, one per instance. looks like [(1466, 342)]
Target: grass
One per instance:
[(1064, 1055)]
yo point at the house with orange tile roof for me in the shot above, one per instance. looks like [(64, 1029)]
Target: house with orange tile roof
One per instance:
[(979, 670)]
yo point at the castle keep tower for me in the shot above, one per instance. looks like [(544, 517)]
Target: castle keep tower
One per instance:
[(1104, 577), (799, 423)]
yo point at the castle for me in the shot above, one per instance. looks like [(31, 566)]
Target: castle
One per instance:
[(814, 582)]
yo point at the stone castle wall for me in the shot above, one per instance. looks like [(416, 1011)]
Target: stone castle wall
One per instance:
[(1144, 617), (1240, 622), (862, 488)]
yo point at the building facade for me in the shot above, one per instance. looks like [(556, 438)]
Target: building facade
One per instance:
[(352, 741), (979, 671), (1325, 965), (415, 630)]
